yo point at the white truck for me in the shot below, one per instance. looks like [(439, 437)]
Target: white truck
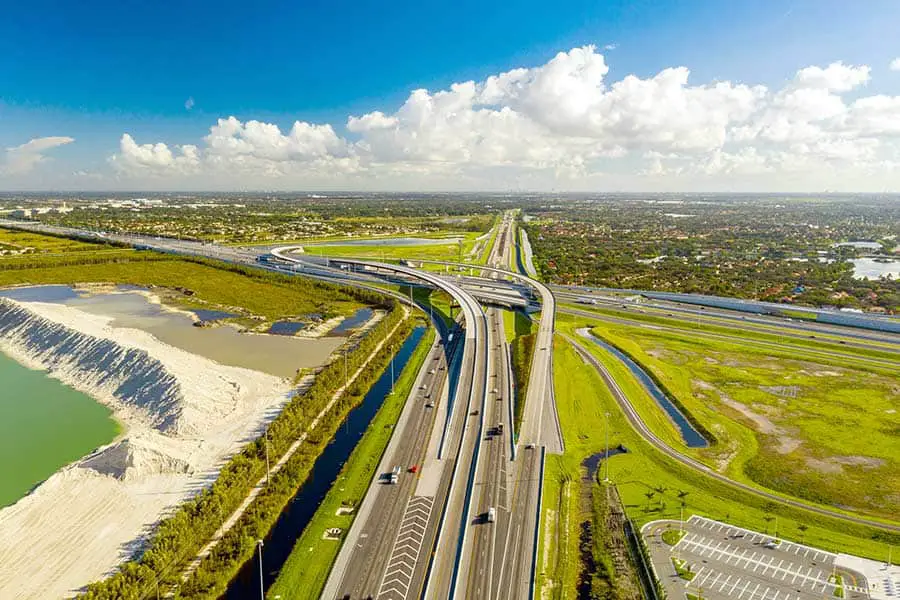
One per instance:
[(395, 475), (491, 515)]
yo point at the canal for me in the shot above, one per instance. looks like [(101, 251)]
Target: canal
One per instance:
[(691, 437), (279, 543)]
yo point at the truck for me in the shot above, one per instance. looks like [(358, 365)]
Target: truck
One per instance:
[(500, 428), (491, 515), (395, 475)]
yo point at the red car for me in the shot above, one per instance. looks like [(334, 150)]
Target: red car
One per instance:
[(414, 469)]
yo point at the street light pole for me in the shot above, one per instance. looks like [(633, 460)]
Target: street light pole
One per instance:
[(607, 447), (267, 456), (262, 592)]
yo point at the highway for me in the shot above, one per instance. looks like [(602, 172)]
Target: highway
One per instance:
[(638, 424), (747, 319)]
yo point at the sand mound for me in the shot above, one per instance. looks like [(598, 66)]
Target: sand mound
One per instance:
[(139, 458)]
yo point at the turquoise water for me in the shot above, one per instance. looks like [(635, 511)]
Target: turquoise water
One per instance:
[(44, 425)]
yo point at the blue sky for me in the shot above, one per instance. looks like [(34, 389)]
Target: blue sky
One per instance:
[(95, 71)]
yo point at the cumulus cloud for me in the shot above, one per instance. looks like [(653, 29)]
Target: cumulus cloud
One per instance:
[(155, 158), (24, 158), (563, 123), (895, 64)]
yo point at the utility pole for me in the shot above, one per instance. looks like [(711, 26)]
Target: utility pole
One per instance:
[(266, 435), (607, 447), (262, 592)]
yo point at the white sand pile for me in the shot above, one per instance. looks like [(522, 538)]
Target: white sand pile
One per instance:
[(183, 415)]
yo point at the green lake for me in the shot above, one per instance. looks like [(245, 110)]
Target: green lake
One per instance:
[(44, 425)]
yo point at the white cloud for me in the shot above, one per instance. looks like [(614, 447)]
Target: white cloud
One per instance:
[(836, 77), (189, 103), (155, 158), (24, 158), (562, 124), (895, 64)]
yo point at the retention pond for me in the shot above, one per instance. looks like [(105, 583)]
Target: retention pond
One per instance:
[(279, 544)]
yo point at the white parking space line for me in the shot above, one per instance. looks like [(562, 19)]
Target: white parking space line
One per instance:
[(745, 589), (736, 582), (725, 583), (715, 580), (775, 597)]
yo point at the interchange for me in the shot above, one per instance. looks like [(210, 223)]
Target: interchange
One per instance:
[(478, 348)]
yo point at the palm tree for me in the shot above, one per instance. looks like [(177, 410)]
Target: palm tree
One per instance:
[(649, 495), (802, 527), (768, 519)]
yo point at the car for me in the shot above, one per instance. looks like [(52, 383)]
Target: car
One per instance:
[(414, 469), (474, 413), (529, 446), (431, 372), (429, 405), (491, 515)]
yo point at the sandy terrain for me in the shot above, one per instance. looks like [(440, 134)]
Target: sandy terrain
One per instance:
[(88, 517)]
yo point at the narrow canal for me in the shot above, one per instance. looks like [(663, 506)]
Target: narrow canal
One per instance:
[(691, 437), (277, 546)]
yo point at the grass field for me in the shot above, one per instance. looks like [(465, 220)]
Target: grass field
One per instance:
[(449, 251), (309, 564), (24, 241), (787, 422), (218, 287), (652, 486)]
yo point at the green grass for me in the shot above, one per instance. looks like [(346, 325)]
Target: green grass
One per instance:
[(13, 239), (681, 567), (439, 301), (309, 564), (788, 424), (222, 288), (446, 252), (582, 399), (672, 536)]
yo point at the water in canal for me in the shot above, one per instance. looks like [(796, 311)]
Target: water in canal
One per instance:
[(691, 436), (277, 546)]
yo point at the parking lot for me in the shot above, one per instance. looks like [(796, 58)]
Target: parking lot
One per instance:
[(729, 562)]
